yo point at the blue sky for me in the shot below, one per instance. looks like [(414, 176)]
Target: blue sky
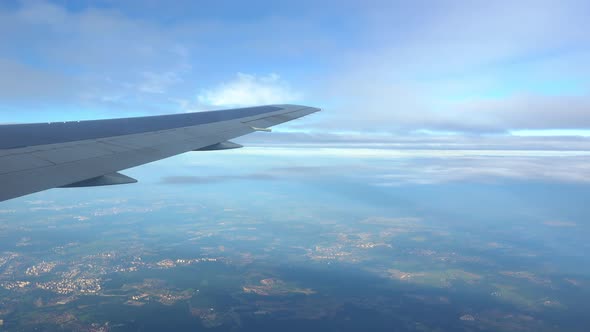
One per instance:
[(393, 67)]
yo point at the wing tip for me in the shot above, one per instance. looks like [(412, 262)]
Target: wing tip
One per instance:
[(296, 107)]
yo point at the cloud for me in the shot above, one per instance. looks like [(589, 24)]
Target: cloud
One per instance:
[(377, 99), (491, 169), (393, 66), (41, 13), (560, 223), (394, 167), (158, 82), (192, 179), (522, 112), (249, 90), (270, 174), (109, 58), (20, 81), (87, 58), (478, 67), (388, 141), (383, 167)]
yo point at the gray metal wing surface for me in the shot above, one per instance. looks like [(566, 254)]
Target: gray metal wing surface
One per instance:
[(40, 156)]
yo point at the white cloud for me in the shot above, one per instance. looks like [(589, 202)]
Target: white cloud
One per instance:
[(158, 82), (248, 90), (391, 154)]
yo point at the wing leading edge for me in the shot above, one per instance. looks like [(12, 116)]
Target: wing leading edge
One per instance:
[(40, 156)]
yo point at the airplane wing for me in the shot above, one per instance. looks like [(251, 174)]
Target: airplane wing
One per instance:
[(40, 156)]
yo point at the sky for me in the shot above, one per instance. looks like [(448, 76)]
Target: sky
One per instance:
[(380, 70)]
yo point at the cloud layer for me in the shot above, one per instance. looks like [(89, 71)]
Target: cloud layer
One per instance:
[(385, 167)]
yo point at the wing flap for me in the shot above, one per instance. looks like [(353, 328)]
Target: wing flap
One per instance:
[(103, 180), (18, 162), (221, 146), (71, 153)]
